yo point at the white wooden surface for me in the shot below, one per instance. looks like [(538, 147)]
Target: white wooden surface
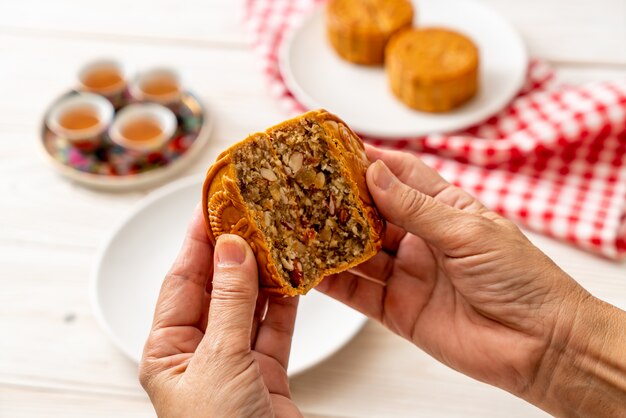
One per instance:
[(54, 360)]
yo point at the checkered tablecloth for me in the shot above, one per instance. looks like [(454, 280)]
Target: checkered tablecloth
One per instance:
[(554, 160)]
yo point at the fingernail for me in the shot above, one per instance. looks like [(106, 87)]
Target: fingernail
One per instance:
[(382, 176), (230, 251)]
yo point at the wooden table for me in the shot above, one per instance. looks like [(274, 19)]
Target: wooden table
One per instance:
[(54, 359)]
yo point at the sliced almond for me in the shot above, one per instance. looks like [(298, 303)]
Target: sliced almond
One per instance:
[(268, 174), (295, 161), (275, 192), (320, 180)]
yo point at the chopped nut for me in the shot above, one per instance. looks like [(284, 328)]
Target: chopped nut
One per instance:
[(312, 161), (343, 215), (309, 235), (287, 224), (275, 191), (267, 204), (268, 174), (296, 277), (267, 217), (320, 180), (295, 161), (339, 199), (325, 235), (301, 248), (331, 205), (306, 176), (286, 264), (283, 196)]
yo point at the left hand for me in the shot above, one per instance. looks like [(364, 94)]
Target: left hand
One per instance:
[(210, 353)]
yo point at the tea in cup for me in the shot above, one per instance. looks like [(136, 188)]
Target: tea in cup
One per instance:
[(104, 77), (143, 128), (159, 85), (81, 119)]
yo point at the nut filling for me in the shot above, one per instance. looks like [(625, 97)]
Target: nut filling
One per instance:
[(301, 202)]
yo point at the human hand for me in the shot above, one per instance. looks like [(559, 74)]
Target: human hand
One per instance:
[(458, 280), (210, 352)]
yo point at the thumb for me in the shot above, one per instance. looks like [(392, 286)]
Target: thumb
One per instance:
[(233, 298), (441, 225)]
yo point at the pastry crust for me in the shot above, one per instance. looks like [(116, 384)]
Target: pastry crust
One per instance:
[(226, 212), (432, 70), (359, 29)]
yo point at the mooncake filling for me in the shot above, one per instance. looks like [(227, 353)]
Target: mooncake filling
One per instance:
[(301, 202)]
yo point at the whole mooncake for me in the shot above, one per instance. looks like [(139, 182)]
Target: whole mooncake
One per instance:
[(297, 194), (359, 29), (432, 70)]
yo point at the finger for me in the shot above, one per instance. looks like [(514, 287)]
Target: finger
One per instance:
[(407, 279), (182, 300), (276, 330), (233, 300), (392, 237), (357, 292), (259, 313), (377, 269), (443, 226), (409, 169), (413, 172)]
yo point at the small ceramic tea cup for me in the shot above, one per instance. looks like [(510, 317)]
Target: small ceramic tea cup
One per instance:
[(103, 77), (159, 85), (143, 128), (82, 119)]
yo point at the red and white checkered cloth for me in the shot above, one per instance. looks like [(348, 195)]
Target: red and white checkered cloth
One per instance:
[(554, 160)]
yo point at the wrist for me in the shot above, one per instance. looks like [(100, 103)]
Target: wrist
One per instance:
[(583, 372)]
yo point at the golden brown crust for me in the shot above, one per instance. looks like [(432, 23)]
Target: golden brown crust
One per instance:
[(359, 29), (432, 70), (225, 211)]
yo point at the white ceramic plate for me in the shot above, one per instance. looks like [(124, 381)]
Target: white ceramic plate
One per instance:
[(360, 95), (133, 261)]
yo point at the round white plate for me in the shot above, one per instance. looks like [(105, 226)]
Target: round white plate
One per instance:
[(360, 95), (133, 261)]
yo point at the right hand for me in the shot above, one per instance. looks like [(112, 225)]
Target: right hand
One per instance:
[(460, 281)]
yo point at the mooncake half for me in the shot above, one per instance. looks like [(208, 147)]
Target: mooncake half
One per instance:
[(297, 194)]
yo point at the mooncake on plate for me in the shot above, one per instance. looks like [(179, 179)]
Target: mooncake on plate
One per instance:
[(358, 30), (432, 69)]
